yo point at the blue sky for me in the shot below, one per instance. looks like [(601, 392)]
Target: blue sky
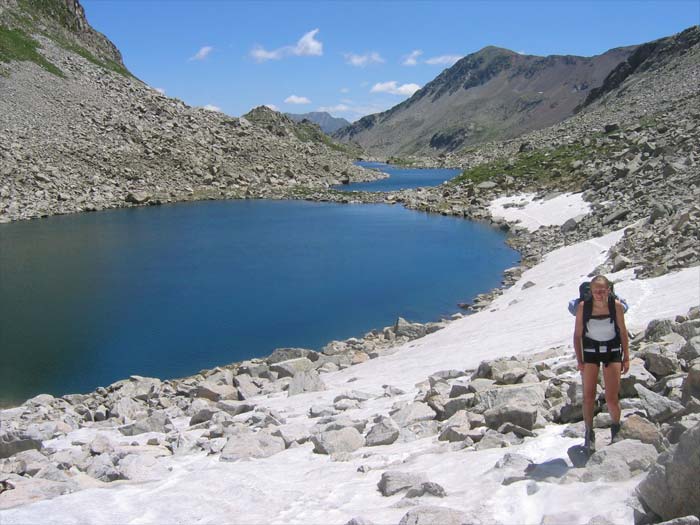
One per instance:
[(352, 58)]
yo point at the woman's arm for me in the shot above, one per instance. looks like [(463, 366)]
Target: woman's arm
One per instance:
[(624, 338), (578, 336)]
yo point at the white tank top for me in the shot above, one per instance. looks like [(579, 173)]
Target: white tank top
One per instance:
[(600, 329)]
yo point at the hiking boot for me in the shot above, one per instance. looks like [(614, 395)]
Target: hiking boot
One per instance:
[(614, 430), (589, 442)]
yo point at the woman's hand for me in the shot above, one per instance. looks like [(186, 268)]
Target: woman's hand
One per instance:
[(625, 366), (580, 367)]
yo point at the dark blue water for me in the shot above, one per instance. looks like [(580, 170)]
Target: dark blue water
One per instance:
[(88, 299), (401, 178)]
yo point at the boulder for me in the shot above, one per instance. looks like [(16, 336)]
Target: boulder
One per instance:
[(691, 349), (432, 515), (215, 392), (331, 442), (527, 394), (639, 428), (393, 481), (245, 444), (158, 421), (428, 487), (305, 381), (659, 361), (659, 408), (233, 408), (637, 374), (286, 354), (508, 372), (521, 414), (670, 489), (412, 413), (102, 467), (691, 384), (384, 432), (290, 367), (410, 330), (14, 441), (246, 387)]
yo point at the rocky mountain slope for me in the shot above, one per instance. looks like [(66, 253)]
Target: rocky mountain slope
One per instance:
[(327, 122), (491, 94), (79, 133)]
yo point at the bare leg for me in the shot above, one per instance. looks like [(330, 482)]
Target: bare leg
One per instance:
[(590, 382), (611, 376)]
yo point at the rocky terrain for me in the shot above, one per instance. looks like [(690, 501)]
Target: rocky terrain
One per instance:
[(78, 135), (499, 404), (493, 94)]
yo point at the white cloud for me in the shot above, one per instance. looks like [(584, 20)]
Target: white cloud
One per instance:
[(272, 107), (443, 60), (393, 88), (211, 107), (412, 58), (345, 90), (293, 99), (202, 53), (353, 111), (363, 60), (307, 45), (339, 108)]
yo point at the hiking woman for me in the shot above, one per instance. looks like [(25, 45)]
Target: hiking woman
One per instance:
[(600, 337)]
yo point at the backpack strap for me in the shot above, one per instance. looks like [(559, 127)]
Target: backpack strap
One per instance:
[(612, 308), (587, 313)]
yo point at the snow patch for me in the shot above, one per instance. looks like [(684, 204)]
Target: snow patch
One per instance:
[(532, 213)]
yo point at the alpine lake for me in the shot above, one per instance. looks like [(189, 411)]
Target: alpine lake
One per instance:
[(165, 291)]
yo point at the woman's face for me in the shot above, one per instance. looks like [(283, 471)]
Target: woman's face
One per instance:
[(599, 291)]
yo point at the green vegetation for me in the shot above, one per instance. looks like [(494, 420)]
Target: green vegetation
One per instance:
[(306, 132), (62, 22), (110, 65), (16, 45), (540, 165)]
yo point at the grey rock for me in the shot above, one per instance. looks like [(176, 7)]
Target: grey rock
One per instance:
[(522, 415), (384, 432), (432, 515), (410, 330), (429, 487), (393, 481), (156, 422), (215, 392), (285, 354), (14, 441), (658, 408), (331, 442), (691, 384), (246, 444), (291, 367), (234, 408), (306, 381), (412, 413), (102, 467), (246, 387), (670, 489)]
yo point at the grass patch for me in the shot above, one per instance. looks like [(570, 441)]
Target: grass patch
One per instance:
[(310, 133), (542, 166), (110, 65), (16, 45)]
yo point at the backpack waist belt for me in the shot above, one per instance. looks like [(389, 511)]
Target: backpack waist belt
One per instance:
[(602, 349)]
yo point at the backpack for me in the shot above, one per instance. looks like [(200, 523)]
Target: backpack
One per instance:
[(584, 294)]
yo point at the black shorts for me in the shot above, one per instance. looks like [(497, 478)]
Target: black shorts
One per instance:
[(595, 358)]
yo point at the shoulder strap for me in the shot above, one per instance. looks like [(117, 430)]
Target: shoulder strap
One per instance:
[(587, 312), (612, 308)]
